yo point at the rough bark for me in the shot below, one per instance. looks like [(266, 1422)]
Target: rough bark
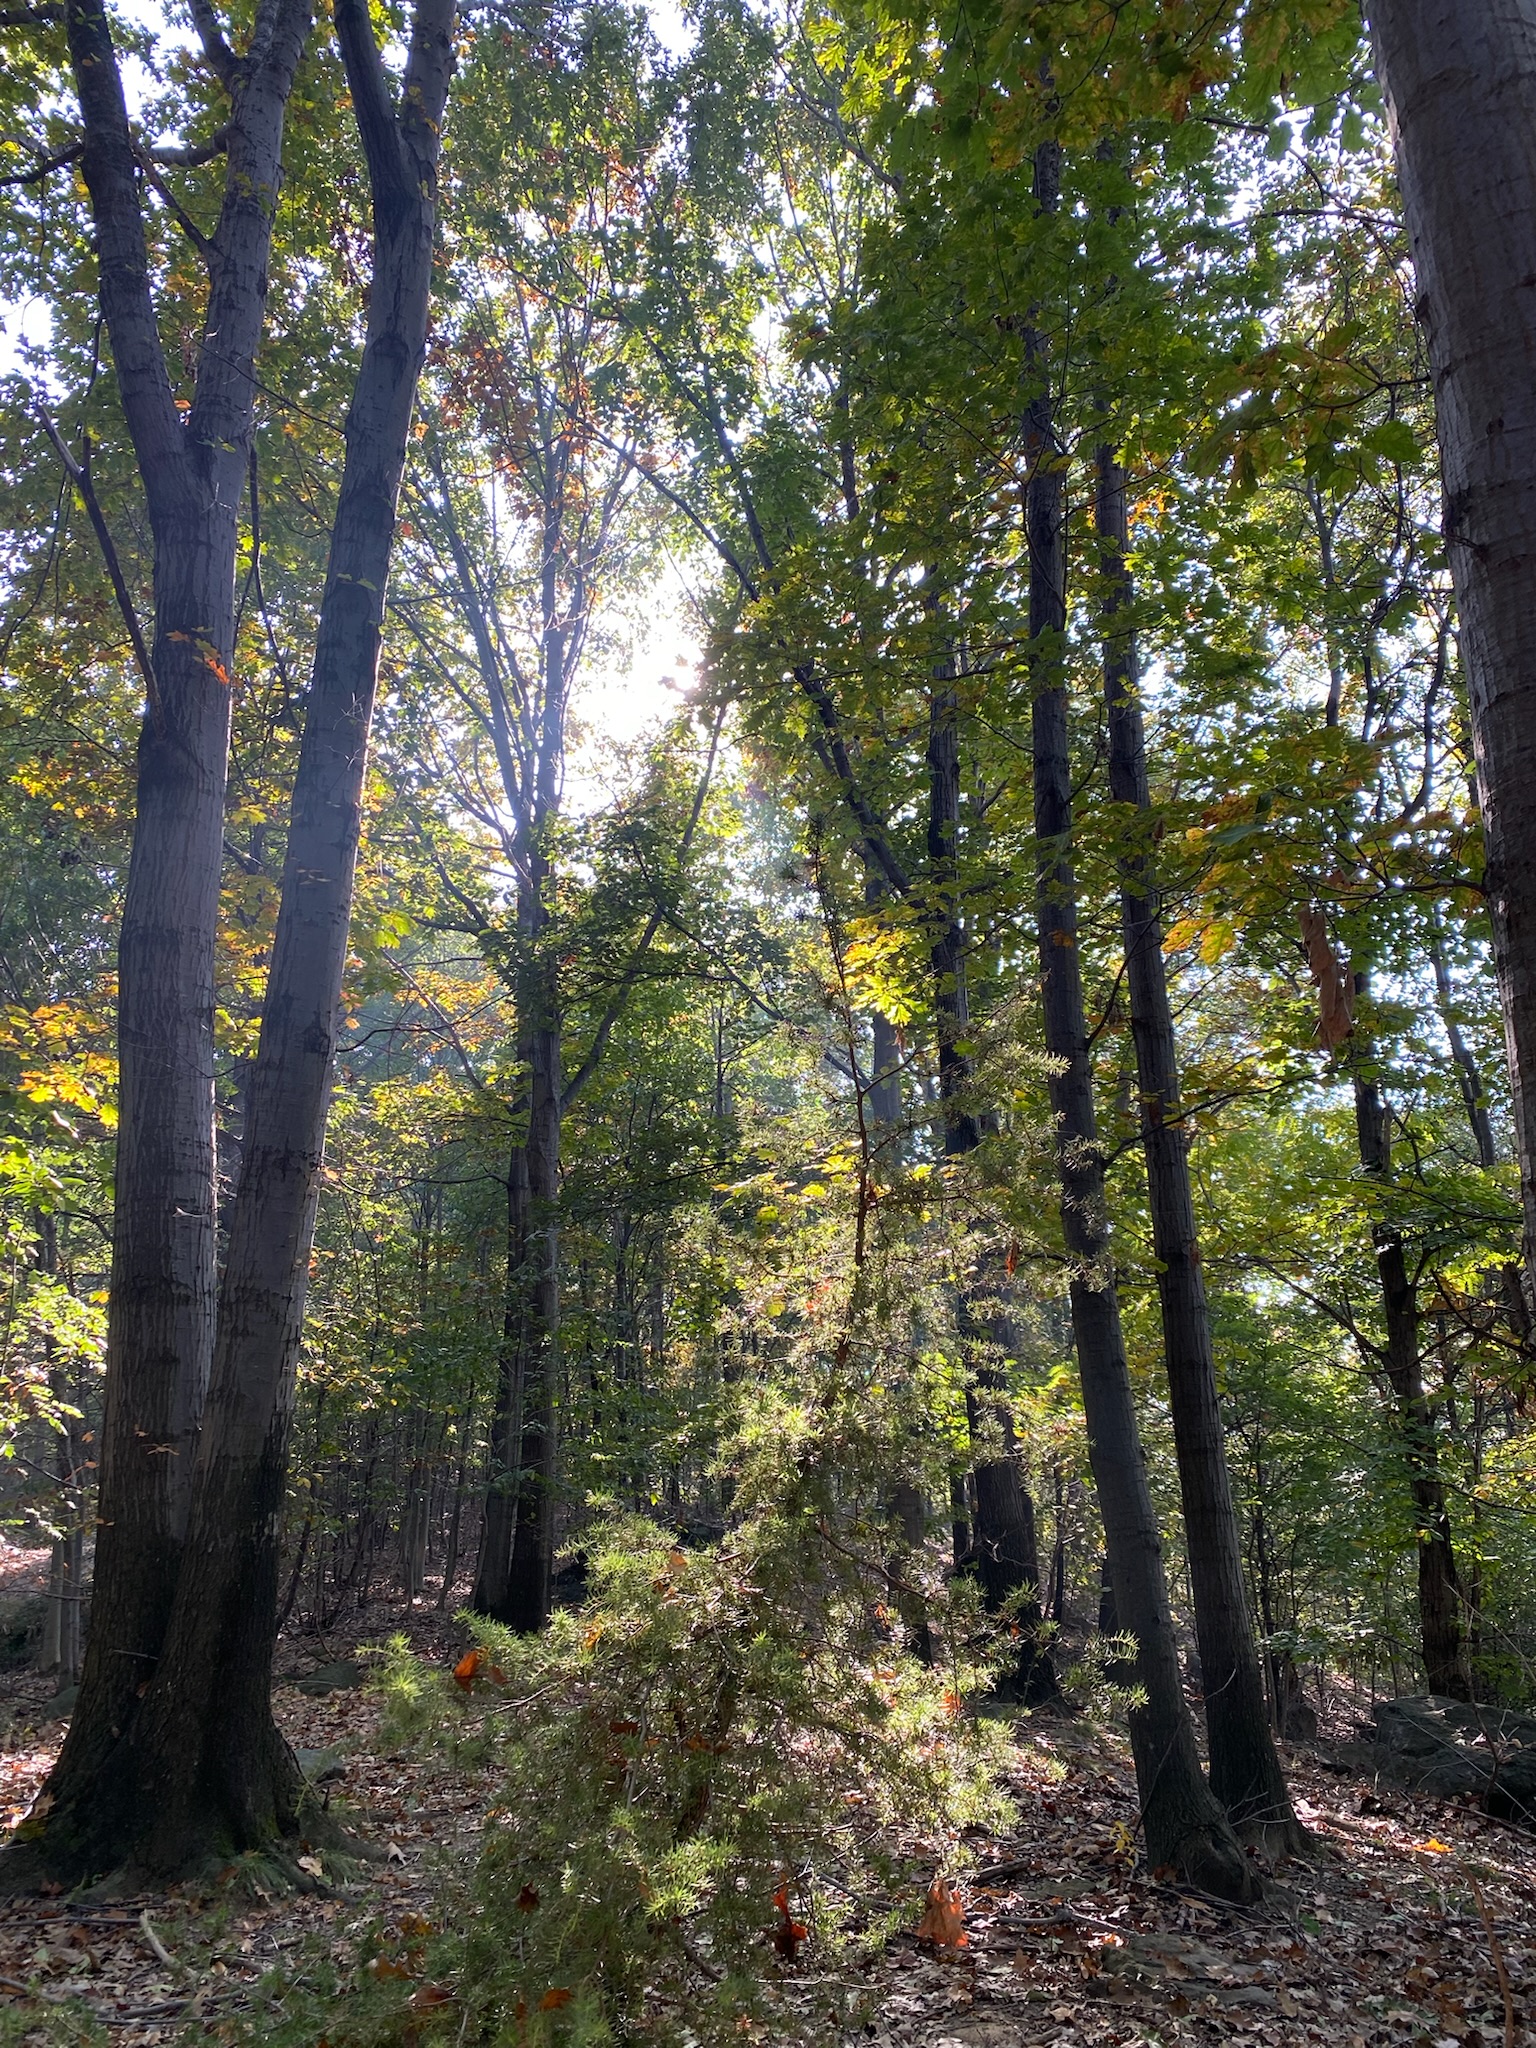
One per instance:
[(1460, 88), (199, 1769), (1244, 1768), (1184, 1824)]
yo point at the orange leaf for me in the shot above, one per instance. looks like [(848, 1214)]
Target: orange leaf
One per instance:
[(431, 1998), (464, 1671), (553, 2000), (943, 1923), (789, 1933), (386, 1966)]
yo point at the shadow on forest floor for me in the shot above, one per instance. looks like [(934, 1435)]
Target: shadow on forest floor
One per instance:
[(1397, 1933)]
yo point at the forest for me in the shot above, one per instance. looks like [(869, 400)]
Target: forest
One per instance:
[(768, 1032)]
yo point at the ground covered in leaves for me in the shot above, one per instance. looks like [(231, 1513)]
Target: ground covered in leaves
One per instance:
[(1415, 1923)]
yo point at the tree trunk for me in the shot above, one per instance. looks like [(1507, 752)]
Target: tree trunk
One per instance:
[(1460, 87), (531, 1570), (1245, 1770), (495, 1559), (200, 1770), (1003, 1549), (161, 1314), (1440, 1597), (1185, 1826)]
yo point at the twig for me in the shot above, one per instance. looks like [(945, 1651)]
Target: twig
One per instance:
[(26, 1991), (162, 1953), (1497, 1952)]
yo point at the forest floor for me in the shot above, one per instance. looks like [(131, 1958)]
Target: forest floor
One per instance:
[(1414, 1925)]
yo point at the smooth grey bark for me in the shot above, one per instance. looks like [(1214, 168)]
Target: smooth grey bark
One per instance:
[(199, 1768), (1245, 1770), (1184, 1823), (1459, 82)]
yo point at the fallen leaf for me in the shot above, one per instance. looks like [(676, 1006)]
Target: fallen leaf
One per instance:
[(789, 1933), (464, 1671), (553, 2000), (943, 1923)]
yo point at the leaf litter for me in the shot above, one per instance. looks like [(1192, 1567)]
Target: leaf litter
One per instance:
[(1412, 1926)]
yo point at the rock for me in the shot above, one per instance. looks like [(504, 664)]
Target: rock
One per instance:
[(320, 1766), (1450, 1749), (331, 1678)]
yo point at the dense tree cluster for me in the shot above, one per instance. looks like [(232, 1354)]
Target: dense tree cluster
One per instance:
[(995, 1126)]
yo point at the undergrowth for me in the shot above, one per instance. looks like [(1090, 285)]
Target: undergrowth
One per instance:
[(723, 1755)]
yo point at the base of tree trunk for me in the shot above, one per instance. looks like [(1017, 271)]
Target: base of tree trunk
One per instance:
[(1209, 1860), (137, 1821)]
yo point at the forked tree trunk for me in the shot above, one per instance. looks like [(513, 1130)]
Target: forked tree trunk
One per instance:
[(1459, 81), (1184, 1824), (1245, 1770), (199, 1769), (161, 1313)]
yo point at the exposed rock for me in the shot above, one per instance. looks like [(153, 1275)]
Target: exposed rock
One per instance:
[(1450, 1749), (343, 1677)]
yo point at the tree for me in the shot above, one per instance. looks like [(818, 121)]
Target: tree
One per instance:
[(192, 1765), (1460, 87)]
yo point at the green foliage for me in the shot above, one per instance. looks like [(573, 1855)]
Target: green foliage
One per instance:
[(712, 1729)]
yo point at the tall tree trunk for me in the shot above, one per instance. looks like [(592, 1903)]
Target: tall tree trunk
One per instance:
[(530, 1567), (200, 1769), (1003, 1547), (1185, 1826), (161, 1313), (1460, 87), (1440, 1597), (1245, 1770), (495, 1559)]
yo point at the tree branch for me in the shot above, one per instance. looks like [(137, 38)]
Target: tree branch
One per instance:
[(112, 178), (79, 474), (186, 156), (46, 166), (226, 65), (373, 104)]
